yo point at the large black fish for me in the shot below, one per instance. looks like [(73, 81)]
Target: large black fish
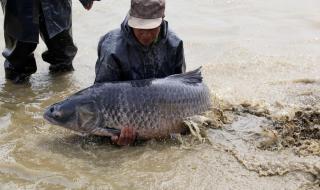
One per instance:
[(156, 107)]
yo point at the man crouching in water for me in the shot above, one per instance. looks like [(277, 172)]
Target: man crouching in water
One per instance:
[(142, 48)]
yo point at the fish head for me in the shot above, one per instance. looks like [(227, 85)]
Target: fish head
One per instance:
[(76, 113)]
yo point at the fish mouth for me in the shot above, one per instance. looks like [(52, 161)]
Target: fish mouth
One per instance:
[(47, 116), (50, 119), (72, 128)]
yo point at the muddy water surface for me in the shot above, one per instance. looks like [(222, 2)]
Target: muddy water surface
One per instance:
[(261, 61)]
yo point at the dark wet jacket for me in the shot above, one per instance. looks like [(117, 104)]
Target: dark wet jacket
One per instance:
[(121, 57), (21, 18)]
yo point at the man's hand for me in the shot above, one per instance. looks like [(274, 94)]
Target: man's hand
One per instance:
[(127, 136), (89, 6)]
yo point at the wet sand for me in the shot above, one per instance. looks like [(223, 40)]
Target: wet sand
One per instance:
[(261, 62)]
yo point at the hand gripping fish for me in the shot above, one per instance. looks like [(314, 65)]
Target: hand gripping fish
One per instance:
[(156, 107)]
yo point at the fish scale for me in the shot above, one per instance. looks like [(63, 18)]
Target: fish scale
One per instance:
[(155, 109)]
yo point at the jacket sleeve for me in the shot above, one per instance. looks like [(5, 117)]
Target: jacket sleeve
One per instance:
[(107, 69), (180, 60)]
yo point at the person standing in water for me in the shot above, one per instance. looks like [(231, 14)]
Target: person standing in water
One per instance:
[(24, 20), (143, 47)]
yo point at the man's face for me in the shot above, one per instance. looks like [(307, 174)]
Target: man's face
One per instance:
[(146, 36)]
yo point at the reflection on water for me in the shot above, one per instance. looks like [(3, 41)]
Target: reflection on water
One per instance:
[(24, 104), (260, 53)]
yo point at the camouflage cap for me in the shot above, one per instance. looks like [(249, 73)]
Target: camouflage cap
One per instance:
[(146, 14)]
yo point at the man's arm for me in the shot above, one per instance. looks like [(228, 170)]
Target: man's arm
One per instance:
[(180, 66), (107, 69)]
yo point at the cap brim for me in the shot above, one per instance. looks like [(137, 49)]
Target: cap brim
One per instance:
[(144, 23)]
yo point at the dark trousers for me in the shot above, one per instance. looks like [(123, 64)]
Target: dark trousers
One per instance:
[(20, 58)]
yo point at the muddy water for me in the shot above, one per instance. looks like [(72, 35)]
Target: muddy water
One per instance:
[(261, 61)]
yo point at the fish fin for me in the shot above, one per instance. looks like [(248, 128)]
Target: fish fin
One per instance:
[(191, 77), (109, 132)]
